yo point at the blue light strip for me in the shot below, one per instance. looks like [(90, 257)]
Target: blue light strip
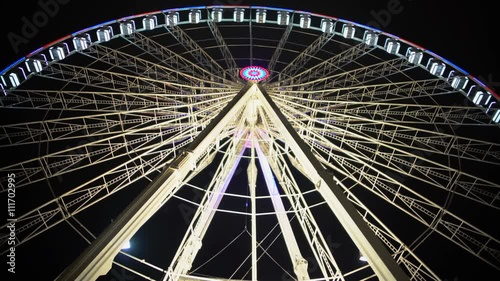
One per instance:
[(273, 8), (251, 7), (35, 52), (447, 62), (368, 27), (12, 65)]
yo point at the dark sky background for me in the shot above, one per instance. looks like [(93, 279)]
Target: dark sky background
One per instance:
[(461, 33)]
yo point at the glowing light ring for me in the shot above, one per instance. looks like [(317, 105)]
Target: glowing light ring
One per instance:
[(254, 73)]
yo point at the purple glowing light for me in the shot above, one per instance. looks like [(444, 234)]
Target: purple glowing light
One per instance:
[(254, 73)]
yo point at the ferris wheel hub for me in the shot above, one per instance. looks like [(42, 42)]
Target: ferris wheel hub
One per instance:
[(254, 73)]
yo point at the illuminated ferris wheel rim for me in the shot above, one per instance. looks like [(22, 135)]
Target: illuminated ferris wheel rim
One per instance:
[(476, 91), (80, 41)]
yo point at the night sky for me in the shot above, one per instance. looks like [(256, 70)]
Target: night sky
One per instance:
[(461, 33)]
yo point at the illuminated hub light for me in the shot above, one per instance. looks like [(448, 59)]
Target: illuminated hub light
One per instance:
[(254, 73)]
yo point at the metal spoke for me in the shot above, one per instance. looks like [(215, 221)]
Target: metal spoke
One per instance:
[(352, 143)]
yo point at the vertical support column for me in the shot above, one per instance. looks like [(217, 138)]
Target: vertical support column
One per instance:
[(192, 242), (298, 261), (252, 183), (382, 263)]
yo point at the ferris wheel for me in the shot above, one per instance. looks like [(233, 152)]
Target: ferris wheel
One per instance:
[(247, 143)]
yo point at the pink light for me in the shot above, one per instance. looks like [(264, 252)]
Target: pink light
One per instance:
[(254, 73)]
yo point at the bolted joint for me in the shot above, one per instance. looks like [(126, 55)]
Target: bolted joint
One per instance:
[(300, 268)]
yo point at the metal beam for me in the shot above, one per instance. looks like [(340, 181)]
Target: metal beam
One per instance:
[(252, 184), (224, 49), (192, 242), (298, 261)]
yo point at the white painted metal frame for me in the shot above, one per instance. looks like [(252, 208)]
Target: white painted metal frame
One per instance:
[(371, 130), (97, 259)]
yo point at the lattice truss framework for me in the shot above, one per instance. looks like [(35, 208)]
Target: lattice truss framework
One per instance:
[(342, 125)]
